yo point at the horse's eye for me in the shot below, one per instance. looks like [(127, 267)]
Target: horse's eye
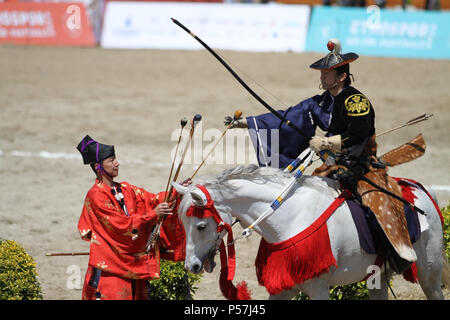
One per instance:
[(201, 226)]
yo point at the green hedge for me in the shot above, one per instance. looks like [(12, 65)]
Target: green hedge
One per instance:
[(18, 276), (446, 228), (172, 284)]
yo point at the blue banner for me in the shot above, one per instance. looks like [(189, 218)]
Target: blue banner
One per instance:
[(381, 32)]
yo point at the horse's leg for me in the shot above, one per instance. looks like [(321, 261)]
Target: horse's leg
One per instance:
[(429, 265), (285, 295), (429, 249)]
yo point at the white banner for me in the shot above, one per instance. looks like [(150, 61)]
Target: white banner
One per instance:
[(242, 27)]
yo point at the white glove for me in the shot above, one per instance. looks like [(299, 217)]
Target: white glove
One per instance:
[(332, 143)]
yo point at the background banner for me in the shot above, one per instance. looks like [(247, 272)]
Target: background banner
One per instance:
[(378, 32), (45, 24), (246, 27)]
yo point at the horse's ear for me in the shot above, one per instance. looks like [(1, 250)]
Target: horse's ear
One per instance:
[(198, 198), (180, 189)]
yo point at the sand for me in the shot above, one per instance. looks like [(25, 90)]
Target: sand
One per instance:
[(53, 97)]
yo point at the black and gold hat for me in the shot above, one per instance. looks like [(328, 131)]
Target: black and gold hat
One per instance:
[(335, 58)]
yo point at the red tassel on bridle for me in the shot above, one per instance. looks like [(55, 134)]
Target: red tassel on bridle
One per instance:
[(227, 257)]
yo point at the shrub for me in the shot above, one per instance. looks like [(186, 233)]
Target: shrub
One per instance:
[(446, 214), (172, 282), (354, 291), (17, 273)]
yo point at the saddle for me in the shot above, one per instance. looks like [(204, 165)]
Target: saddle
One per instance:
[(388, 211)]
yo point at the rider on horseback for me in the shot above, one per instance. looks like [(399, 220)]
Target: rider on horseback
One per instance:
[(352, 125), (348, 117), (351, 136)]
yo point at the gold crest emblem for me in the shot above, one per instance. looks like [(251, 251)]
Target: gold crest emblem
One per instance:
[(357, 105)]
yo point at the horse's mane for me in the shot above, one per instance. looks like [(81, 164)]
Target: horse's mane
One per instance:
[(263, 175), (248, 172)]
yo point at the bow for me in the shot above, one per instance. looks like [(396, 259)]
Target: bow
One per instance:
[(242, 82)]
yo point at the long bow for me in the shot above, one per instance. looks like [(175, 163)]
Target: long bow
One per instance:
[(257, 97)]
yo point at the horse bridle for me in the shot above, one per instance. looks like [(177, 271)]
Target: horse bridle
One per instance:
[(209, 211)]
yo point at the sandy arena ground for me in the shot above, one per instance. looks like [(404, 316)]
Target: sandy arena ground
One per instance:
[(53, 97)]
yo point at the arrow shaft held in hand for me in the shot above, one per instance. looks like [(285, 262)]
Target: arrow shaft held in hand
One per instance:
[(188, 143), (183, 124), (151, 242)]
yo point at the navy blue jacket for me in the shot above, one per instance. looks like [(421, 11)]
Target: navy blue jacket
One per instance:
[(282, 144)]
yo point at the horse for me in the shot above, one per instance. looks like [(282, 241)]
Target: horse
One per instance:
[(244, 192)]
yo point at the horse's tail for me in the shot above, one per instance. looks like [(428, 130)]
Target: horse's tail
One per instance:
[(445, 271)]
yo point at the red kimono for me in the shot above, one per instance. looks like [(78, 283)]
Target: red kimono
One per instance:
[(118, 265)]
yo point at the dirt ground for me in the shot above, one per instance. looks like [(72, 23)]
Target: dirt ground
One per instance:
[(52, 97)]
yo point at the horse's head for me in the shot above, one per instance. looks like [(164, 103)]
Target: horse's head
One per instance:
[(203, 226)]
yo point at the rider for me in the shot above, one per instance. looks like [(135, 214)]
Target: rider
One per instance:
[(351, 136), (352, 126)]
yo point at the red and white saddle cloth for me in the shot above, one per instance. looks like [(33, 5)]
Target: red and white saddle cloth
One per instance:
[(280, 266)]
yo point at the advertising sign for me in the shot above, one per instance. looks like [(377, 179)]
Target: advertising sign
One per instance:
[(379, 32), (246, 27), (45, 24)]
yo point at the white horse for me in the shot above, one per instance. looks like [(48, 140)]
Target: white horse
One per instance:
[(245, 192)]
